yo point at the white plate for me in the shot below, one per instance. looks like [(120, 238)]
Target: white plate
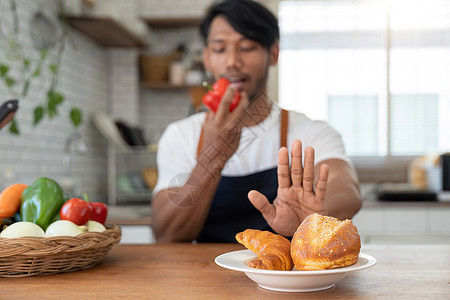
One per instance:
[(290, 281)]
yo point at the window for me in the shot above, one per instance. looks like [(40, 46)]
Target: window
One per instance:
[(377, 71), (346, 111)]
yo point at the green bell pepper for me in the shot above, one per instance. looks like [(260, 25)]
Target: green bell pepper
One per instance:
[(41, 202)]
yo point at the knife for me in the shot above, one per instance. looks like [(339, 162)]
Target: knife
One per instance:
[(7, 111)]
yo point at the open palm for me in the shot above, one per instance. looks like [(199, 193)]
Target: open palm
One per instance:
[(296, 197)]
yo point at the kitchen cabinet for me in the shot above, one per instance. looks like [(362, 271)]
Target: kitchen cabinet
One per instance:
[(171, 22), (135, 222), (106, 32), (137, 235), (403, 222), (167, 86)]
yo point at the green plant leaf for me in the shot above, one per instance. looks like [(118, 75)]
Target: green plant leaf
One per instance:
[(58, 98), (3, 70), (26, 64), (13, 127), (36, 72), (53, 68), (13, 45), (38, 114), (44, 53), (10, 81), (54, 99), (76, 116), (38, 69), (26, 87), (52, 110)]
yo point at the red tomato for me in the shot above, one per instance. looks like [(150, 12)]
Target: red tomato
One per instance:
[(76, 210), (99, 212), (212, 98)]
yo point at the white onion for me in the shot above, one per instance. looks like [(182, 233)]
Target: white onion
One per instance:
[(94, 226), (64, 228), (22, 229)]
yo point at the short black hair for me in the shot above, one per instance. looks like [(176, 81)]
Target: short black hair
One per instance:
[(247, 17)]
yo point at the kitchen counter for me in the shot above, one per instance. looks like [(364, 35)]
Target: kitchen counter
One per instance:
[(141, 214), (375, 203), (129, 215), (188, 271), (370, 197)]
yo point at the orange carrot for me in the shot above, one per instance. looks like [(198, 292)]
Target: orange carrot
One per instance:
[(10, 200)]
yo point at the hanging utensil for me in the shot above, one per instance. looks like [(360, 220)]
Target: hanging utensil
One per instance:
[(7, 111)]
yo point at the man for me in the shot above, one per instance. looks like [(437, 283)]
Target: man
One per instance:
[(221, 173)]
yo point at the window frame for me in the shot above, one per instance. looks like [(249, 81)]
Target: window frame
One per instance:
[(379, 168)]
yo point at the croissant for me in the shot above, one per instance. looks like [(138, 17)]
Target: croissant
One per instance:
[(273, 250), (322, 242)]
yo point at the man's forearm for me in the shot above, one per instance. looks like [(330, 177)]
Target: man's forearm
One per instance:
[(342, 196), (179, 213), (343, 199)]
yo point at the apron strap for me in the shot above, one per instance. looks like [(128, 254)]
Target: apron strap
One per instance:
[(284, 127), (283, 132)]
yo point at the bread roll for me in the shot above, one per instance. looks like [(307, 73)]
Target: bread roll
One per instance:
[(322, 242), (273, 250)]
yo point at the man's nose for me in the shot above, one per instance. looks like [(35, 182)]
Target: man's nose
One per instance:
[(234, 60)]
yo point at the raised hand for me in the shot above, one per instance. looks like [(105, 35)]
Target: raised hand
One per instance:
[(296, 197)]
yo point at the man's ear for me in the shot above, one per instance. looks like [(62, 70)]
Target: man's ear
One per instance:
[(206, 59), (274, 52)]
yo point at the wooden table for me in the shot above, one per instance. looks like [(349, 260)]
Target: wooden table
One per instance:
[(185, 271)]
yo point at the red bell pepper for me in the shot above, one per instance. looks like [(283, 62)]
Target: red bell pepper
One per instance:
[(212, 98)]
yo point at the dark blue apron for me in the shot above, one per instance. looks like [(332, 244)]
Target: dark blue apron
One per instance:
[(231, 212)]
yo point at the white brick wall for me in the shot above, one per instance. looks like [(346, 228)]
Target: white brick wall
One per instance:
[(94, 79), (123, 85), (38, 151), (160, 108)]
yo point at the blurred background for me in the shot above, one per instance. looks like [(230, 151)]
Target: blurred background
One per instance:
[(98, 81)]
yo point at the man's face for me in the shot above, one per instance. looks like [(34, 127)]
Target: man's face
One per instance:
[(242, 61)]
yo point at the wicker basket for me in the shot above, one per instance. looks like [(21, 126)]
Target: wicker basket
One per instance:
[(155, 68), (30, 256)]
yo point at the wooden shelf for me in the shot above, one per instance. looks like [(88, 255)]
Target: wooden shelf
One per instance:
[(172, 22), (106, 32), (165, 86)]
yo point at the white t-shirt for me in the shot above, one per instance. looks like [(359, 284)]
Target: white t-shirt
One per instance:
[(257, 151)]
